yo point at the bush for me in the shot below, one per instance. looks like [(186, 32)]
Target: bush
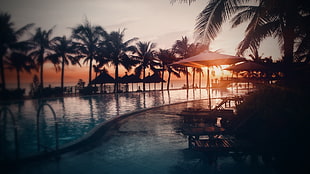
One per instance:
[(277, 121)]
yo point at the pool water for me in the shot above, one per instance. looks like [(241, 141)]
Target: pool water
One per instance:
[(76, 116), (147, 142)]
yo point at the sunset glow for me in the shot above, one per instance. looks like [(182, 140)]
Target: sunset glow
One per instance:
[(154, 86), (164, 28)]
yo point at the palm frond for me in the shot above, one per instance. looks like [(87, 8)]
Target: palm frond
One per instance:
[(138, 70), (128, 42), (247, 13), (175, 73), (22, 30), (255, 36), (210, 20)]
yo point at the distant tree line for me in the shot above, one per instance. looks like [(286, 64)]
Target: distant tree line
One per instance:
[(288, 21), (87, 44)]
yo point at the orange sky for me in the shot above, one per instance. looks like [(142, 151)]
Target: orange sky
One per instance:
[(74, 73)]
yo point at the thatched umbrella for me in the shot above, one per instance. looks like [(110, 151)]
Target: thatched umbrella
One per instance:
[(248, 66), (251, 67), (155, 78), (103, 78), (130, 79)]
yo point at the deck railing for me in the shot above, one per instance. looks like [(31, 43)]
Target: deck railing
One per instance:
[(39, 145), (3, 112)]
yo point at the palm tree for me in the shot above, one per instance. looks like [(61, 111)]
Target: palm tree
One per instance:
[(286, 20), (41, 42), (87, 39), (167, 57), (9, 41), (194, 50), (182, 49), (145, 53), (97, 70), (117, 52), (20, 61), (64, 53)]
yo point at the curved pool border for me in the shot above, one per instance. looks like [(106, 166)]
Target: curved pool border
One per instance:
[(100, 130)]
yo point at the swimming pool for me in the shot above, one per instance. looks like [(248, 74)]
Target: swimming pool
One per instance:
[(146, 142), (76, 116)]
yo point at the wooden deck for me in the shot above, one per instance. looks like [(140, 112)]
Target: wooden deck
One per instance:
[(217, 143), (215, 124), (213, 144)]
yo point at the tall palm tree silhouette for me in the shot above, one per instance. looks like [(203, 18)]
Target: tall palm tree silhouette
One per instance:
[(87, 39), (20, 61), (64, 53), (286, 20), (195, 49), (182, 49), (117, 51), (41, 49), (9, 40), (167, 57), (145, 54)]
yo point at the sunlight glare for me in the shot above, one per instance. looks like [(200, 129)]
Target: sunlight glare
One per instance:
[(217, 71)]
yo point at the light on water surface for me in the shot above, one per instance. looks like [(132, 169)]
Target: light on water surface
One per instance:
[(76, 116)]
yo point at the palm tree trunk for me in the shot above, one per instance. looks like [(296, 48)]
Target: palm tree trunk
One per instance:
[(200, 80), (90, 70), (162, 83), (288, 36), (143, 79), (18, 79), (41, 76), (168, 83), (62, 74), (116, 79), (2, 73), (41, 61), (288, 26)]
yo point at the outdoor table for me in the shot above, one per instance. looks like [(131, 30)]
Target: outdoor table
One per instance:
[(194, 133)]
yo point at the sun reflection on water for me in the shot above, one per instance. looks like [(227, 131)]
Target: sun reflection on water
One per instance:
[(78, 115)]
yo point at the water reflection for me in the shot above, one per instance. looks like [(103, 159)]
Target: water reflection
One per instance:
[(78, 115)]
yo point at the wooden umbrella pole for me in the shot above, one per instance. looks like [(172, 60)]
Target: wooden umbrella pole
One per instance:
[(208, 87)]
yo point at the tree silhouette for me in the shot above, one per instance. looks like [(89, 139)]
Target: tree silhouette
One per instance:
[(87, 39), (167, 57), (41, 49), (64, 53), (9, 40), (286, 20), (182, 49), (145, 54), (20, 61), (116, 50)]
